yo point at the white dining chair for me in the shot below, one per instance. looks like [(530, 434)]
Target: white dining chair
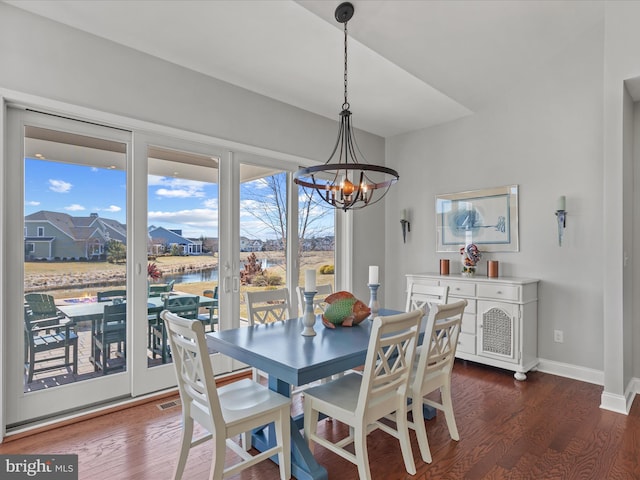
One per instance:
[(420, 296), (432, 370), (322, 292), (266, 306), (360, 401), (224, 412)]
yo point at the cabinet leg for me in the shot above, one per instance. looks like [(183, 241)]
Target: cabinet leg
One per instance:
[(521, 376)]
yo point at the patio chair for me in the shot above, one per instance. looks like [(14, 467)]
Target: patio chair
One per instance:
[(211, 316), (360, 401), (46, 334), (41, 305), (110, 295), (184, 306), (223, 412), (111, 330), (159, 289)]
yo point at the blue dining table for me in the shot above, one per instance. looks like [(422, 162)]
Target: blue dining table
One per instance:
[(289, 359)]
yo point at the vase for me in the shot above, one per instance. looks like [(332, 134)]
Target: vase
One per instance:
[(468, 270)]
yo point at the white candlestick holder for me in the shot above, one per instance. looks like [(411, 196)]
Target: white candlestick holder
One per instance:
[(309, 318), (374, 305)]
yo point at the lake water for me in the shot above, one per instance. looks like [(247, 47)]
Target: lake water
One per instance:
[(205, 275)]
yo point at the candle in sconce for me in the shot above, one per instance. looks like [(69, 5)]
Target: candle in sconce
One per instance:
[(373, 275), (310, 281), (404, 214), (562, 203)]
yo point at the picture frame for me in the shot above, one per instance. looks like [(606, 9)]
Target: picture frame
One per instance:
[(487, 218)]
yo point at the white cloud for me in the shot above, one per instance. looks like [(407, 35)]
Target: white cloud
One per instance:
[(112, 208), (32, 203), (211, 203), (202, 217), (177, 187), (179, 193), (59, 186), (74, 208)]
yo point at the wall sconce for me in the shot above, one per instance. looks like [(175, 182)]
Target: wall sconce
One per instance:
[(561, 215), (406, 225)]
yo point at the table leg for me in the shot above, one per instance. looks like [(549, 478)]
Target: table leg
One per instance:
[(303, 463)]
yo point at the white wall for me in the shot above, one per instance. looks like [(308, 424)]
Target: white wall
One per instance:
[(545, 136)]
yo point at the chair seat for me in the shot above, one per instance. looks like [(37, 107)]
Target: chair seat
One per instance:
[(341, 395), (245, 398), (46, 342)]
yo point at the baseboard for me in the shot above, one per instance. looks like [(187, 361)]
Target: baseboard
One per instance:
[(614, 403), (567, 370), (608, 401)]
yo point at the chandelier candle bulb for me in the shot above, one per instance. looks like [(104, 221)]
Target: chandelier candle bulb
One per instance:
[(562, 203), (373, 275), (310, 280)]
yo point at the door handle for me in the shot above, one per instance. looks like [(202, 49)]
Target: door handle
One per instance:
[(236, 284)]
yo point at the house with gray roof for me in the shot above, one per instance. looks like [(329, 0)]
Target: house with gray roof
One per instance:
[(56, 235), (162, 240)]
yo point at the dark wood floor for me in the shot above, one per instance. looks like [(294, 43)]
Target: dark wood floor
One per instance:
[(545, 428)]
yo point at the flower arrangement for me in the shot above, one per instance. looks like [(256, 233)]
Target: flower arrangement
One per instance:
[(470, 257), (153, 272)]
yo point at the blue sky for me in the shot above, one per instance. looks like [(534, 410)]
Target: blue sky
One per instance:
[(174, 203)]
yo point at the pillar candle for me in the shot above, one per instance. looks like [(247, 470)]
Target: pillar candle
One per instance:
[(310, 281), (373, 275), (562, 203)]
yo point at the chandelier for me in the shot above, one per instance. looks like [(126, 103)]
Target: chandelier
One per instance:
[(342, 181)]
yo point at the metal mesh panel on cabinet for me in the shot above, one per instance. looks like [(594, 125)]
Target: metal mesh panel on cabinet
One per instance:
[(497, 332)]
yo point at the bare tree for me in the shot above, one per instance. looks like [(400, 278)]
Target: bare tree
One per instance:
[(268, 200)]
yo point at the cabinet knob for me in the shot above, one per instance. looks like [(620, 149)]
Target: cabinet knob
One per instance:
[(499, 292)]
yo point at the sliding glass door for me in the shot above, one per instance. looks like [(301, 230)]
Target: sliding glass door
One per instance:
[(67, 245)]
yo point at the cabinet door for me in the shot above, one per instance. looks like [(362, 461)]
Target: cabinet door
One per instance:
[(498, 330)]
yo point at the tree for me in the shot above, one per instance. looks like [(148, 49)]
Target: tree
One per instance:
[(116, 251), (266, 200)]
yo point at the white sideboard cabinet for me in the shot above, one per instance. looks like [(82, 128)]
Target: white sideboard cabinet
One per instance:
[(500, 323)]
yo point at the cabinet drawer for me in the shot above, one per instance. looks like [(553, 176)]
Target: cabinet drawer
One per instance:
[(499, 292), (466, 343), (460, 289)]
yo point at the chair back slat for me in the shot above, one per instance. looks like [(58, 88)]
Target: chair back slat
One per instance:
[(184, 306), (389, 361), (109, 295), (114, 318), (267, 306)]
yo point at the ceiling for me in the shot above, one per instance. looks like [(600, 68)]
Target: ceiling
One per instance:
[(412, 63)]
